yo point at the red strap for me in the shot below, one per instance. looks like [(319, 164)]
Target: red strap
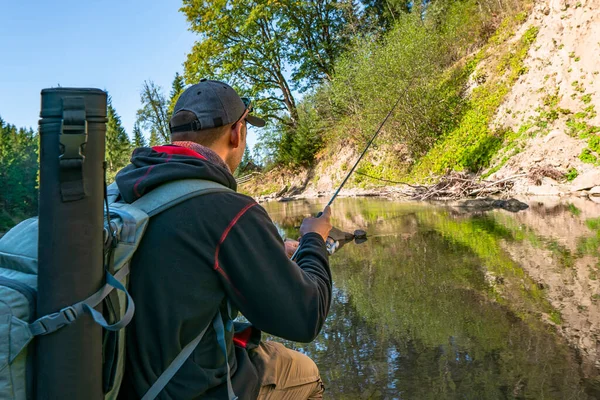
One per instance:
[(242, 338)]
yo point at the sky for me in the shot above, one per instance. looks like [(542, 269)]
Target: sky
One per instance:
[(112, 45)]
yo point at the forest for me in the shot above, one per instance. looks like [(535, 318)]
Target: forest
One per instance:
[(322, 72)]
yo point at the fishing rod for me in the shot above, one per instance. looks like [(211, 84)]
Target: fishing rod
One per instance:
[(354, 166)]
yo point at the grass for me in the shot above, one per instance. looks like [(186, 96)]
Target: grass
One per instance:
[(571, 174), (472, 144), (580, 128)]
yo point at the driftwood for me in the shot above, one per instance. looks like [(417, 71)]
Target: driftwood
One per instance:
[(537, 173), (458, 185)]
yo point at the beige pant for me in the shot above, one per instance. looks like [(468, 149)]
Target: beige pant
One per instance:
[(286, 374)]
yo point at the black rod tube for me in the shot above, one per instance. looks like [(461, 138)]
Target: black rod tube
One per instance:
[(69, 361)]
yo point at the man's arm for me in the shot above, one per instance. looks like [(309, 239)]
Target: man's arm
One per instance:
[(287, 299)]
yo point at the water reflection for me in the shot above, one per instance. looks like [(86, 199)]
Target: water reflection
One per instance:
[(439, 304)]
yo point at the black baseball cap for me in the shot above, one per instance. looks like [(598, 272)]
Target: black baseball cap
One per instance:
[(215, 104)]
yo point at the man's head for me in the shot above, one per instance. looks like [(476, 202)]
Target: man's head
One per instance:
[(212, 114)]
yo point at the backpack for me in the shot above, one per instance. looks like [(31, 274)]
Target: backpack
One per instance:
[(123, 231)]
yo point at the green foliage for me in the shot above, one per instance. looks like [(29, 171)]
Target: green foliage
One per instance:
[(588, 157), (153, 115), (251, 44), (590, 244), (118, 146), (472, 144), (384, 13), (383, 172), (580, 128), (18, 174), (573, 209), (287, 145), (244, 164), (155, 139), (177, 88), (411, 62), (138, 137), (586, 99), (571, 174)]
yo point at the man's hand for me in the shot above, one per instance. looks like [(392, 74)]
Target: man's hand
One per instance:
[(290, 247), (320, 225)]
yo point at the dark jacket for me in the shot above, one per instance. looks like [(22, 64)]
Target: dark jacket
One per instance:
[(195, 256)]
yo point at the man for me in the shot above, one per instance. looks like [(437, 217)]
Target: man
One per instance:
[(219, 253)]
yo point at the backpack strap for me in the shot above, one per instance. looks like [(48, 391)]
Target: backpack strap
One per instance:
[(175, 365), (220, 330), (172, 193), (187, 351), (155, 202), (53, 322)]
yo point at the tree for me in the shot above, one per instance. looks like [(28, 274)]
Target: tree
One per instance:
[(176, 90), (154, 112), (118, 146), (18, 174), (385, 13), (253, 44), (247, 158), (138, 137), (320, 30), (155, 140), (242, 43)]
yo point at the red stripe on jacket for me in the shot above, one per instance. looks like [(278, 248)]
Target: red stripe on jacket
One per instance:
[(223, 237), (141, 179)]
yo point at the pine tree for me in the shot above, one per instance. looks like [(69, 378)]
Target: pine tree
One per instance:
[(176, 90), (246, 159), (138, 137), (118, 146), (18, 174), (154, 138)]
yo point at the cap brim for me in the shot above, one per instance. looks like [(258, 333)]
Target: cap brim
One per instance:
[(255, 121)]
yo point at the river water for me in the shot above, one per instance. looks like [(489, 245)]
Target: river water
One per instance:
[(444, 303)]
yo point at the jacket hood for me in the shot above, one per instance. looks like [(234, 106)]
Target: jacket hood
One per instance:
[(152, 167)]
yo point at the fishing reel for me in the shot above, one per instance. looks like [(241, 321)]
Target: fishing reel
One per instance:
[(338, 238), (332, 245)]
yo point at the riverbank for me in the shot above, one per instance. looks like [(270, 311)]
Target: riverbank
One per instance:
[(532, 122), (538, 183)]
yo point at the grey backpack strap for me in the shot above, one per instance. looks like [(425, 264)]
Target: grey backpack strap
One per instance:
[(112, 192), (173, 193), (53, 322), (175, 365)]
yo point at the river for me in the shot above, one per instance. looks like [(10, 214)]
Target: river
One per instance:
[(441, 303)]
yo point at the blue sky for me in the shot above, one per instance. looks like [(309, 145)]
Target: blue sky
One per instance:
[(110, 44)]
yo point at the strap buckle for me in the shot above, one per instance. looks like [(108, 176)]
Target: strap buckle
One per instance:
[(53, 322), (72, 139)]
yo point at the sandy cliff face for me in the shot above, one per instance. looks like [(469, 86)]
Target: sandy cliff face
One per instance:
[(558, 96)]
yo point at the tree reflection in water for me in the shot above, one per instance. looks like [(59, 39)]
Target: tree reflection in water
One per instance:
[(432, 308)]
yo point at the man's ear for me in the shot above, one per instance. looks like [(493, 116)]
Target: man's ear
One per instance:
[(235, 136)]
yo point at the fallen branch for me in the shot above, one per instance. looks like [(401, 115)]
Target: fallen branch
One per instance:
[(459, 185), (497, 182)]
